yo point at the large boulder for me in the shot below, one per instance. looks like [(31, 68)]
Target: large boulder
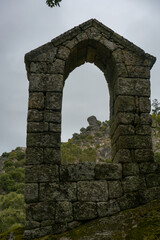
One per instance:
[(92, 120)]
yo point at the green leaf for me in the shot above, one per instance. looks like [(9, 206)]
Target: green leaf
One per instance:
[(53, 3)]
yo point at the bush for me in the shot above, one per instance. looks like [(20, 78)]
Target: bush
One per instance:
[(17, 174), (7, 163), (72, 153), (89, 137), (75, 136), (12, 206), (12, 155), (108, 160), (88, 155), (7, 183), (103, 128), (20, 163), (89, 128), (12, 200), (12, 211), (82, 130), (16, 155), (5, 155), (9, 217), (12, 180), (20, 188), (20, 155), (157, 156)]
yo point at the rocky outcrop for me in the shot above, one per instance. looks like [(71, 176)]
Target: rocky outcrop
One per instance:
[(96, 136), (92, 120)]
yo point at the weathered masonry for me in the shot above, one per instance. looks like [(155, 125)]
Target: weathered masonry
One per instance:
[(61, 197)]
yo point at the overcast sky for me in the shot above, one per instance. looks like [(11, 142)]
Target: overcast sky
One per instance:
[(27, 24)]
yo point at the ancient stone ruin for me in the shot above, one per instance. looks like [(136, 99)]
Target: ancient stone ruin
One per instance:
[(61, 197)]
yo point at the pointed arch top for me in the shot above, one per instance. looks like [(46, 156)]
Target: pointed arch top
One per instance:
[(125, 66), (95, 31), (91, 42)]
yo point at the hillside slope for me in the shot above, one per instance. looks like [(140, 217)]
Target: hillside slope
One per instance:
[(93, 144), (142, 223)]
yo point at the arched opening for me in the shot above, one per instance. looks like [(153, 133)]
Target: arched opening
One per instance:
[(94, 141), (85, 94)]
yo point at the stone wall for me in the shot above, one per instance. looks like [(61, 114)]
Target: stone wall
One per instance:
[(60, 197), (72, 194)]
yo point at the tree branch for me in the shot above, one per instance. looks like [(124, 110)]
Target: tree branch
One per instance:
[(53, 3)]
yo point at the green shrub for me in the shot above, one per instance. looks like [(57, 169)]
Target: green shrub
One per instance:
[(157, 156), (5, 155), (17, 174), (12, 200), (72, 153), (12, 211), (16, 155), (12, 207), (98, 122), (20, 163), (103, 128), (7, 183), (108, 160), (82, 130), (8, 163), (75, 136), (20, 155), (12, 155), (20, 188), (89, 137)]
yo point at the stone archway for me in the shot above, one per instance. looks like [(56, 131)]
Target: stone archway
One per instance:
[(61, 197)]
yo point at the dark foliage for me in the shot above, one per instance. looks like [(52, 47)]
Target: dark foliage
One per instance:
[(53, 3)]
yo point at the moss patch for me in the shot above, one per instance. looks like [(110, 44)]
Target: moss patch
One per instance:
[(142, 223), (16, 233)]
